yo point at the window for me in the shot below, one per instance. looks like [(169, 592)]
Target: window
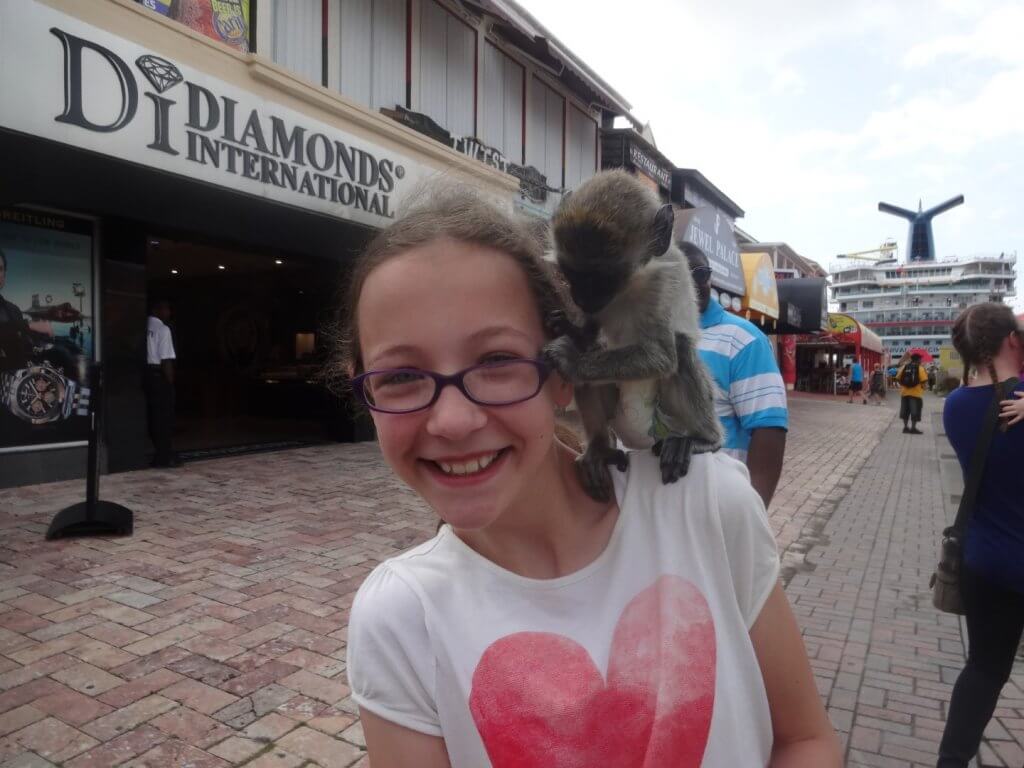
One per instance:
[(297, 37), (371, 56), (580, 148), (502, 94), (545, 118), (868, 304), (447, 70)]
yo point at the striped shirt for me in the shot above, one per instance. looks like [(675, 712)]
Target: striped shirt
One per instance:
[(749, 392)]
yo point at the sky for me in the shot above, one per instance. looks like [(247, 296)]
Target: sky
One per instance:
[(808, 113)]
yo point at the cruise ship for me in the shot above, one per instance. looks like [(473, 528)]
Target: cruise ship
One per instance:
[(914, 304)]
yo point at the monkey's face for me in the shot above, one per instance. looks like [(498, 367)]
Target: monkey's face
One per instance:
[(445, 307), (593, 288), (595, 261)]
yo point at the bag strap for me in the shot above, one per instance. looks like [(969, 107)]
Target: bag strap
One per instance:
[(979, 457)]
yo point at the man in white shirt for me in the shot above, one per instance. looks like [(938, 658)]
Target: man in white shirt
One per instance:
[(160, 383)]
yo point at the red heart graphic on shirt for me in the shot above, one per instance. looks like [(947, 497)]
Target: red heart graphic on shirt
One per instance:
[(538, 699)]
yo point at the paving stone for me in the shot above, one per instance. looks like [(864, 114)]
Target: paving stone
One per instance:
[(190, 726), (269, 727), (16, 719), (53, 740), (120, 748), (126, 718), (87, 679), (317, 687), (319, 747), (72, 707), (140, 687), (237, 750), (199, 696), (177, 753)]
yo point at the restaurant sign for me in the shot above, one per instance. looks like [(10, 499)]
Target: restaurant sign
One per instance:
[(647, 164), (67, 81)]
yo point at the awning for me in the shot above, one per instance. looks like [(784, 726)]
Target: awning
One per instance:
[(848, 330), (761, 297), (803, 305)]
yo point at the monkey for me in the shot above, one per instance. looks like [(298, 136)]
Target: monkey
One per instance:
[(634, 360)]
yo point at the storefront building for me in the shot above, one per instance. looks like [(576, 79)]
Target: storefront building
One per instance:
[(823, 360), (145, 159), (803, 309)]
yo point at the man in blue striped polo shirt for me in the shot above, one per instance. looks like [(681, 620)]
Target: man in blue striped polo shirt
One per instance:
[(750, 397)]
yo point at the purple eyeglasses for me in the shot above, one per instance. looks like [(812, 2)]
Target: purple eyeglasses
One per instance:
[(407, 390)]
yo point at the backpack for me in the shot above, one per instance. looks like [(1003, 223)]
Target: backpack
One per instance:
[(910, 377)]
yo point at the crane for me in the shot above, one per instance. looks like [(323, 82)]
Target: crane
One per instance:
[(887, 251)]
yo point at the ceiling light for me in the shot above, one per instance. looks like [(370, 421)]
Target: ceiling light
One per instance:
[(174, 271), (278, 261), (221, 266)]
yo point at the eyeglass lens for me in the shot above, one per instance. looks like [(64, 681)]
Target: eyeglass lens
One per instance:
[(488, 384)]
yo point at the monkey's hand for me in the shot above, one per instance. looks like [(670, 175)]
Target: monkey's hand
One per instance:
[(563, 356), (674, 452), (592, 469), (558, 323)]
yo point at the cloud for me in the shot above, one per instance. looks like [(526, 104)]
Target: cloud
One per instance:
[(943, 121), (995, 38), (787, 80)]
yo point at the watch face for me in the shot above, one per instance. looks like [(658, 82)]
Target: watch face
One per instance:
[(39, 395)]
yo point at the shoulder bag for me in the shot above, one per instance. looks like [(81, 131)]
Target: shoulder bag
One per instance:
[(945, 582)]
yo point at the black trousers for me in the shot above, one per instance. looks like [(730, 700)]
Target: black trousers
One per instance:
[(160, 414), (995, 619), (910, 408)]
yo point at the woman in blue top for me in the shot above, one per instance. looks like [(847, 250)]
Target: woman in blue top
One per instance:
[(988, 339)]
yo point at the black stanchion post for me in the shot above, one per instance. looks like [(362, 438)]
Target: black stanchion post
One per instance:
[(93, 517)]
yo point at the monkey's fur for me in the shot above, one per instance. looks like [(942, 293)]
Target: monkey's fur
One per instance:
[(634, 361)]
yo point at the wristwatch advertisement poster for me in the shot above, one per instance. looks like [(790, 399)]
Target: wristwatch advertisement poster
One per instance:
[(47, 328)]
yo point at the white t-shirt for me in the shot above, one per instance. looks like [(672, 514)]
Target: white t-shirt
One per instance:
[(642, 658), (159, 346)]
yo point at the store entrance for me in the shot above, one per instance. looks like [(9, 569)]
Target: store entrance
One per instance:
[(247, 330)]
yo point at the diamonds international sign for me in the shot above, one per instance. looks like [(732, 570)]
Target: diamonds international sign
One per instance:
[(67, 81)]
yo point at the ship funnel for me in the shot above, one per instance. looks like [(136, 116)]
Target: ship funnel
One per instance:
[(921, 243)]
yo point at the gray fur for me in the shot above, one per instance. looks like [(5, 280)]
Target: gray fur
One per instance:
[(646, 334)]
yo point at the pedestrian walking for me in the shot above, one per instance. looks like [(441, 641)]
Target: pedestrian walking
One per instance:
[(856, 382), (876, 385), (988, 339), (912, 378), (159, 379), (539, 626), (750, 394)]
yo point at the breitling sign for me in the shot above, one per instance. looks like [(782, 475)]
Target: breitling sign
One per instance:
[(46, 329), (70, 82)]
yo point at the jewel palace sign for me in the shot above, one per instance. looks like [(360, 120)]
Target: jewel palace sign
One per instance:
[(65, 80)]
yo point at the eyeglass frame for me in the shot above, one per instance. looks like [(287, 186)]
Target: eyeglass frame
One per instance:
[(456, 379)]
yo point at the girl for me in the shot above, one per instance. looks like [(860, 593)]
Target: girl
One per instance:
[(539, 627), (992, 579)]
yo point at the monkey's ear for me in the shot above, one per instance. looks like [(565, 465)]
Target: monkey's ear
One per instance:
[(661, 235)]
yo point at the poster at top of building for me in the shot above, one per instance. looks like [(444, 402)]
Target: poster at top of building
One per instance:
[(47, 325), (223, 20)]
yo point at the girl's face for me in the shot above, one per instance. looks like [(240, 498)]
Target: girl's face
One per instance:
[(443, 307)]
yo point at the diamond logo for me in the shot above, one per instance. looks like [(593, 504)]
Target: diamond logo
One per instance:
[(160, 72)]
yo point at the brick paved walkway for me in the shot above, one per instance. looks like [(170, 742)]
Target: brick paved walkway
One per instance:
[(215, 635)]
